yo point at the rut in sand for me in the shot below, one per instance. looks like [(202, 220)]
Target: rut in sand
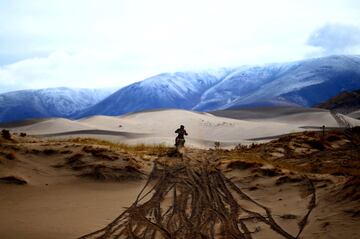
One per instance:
[(191, 198)]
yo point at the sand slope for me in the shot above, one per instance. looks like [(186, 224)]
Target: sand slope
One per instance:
[(355, 114), (73, 187), (157, 127)]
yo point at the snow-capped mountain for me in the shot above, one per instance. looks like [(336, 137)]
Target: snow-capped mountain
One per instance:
[(303, 83), (168, 90), (52, 102)]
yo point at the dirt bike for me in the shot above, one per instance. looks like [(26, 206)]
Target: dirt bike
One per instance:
[(179, 143)]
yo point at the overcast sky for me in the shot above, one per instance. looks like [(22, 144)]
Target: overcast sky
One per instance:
[(112, 43)]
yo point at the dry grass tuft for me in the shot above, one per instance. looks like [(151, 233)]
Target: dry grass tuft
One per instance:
[(105, 172), (337, 153), (351, 189), (243, 165), (287, 179), (10, 156), (6, 134), (50, 151), (66, 152), (202, 205), (13, 180), (75, 160), (138, 149), (268, 172)]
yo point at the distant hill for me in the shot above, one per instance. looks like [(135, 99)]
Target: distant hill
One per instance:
[(52, 102), (264, 112), (345, 102), (181, 90), (302, 83)]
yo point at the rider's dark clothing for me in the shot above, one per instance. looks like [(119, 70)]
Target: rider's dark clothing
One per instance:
[(181, 132)]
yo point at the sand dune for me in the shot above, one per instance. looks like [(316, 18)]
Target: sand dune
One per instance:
[(355, 114), (157, 127), (264, 112), (97, 132), (51, 126), (21, 123), (69, 188)]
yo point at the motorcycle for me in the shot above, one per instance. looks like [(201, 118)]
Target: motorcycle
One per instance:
[(179, 143)]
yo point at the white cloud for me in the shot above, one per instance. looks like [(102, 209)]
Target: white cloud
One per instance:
[(115, 42), (82, 70), (336, 39)]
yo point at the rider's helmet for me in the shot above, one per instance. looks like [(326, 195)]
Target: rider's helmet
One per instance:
[(182, 126)]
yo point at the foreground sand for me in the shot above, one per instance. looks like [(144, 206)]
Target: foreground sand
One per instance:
[(66, 210), (68, 188)]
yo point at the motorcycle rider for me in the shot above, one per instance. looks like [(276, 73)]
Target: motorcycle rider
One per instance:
[(181, 132)]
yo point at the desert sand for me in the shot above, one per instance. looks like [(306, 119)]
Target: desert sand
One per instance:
[(157, 127), (58, 182), (355, 114)]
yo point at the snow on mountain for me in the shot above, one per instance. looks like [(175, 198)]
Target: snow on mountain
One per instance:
[(52, 102), (181, 90), (303, 83)]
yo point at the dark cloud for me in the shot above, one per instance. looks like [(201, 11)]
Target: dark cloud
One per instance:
[(336, 39)]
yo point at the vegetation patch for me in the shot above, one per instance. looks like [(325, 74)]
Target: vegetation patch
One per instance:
[(243, 165), (287, 179), (13, 180), (50, 151), (10, 156), (6, 134), (138, 149)]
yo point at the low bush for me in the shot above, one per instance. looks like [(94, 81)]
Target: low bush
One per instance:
[(6, 134), (315, 144), (50, 151), (11, 156)]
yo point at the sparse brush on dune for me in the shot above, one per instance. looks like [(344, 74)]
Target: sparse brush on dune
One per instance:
[(139, 149), (215, 179), (6, 134), (11, 156), (204, 205), (13, 180), (50, 151)]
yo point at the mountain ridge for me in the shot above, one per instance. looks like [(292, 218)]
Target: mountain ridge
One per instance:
[(167, 90), (49, 102), (346, 102), (303, 83), (300, 83)]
